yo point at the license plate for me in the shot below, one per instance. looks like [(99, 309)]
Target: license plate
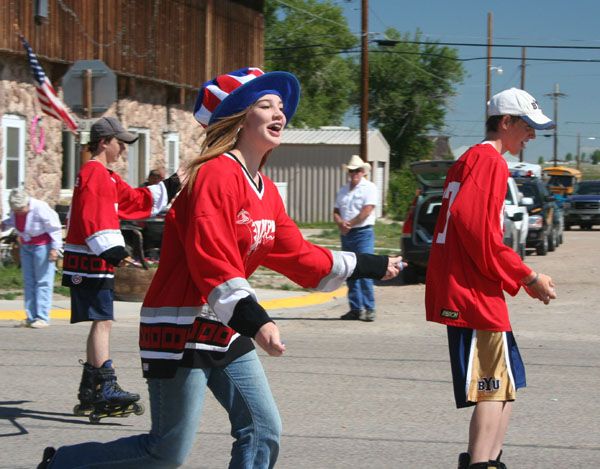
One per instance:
[(586, 217)]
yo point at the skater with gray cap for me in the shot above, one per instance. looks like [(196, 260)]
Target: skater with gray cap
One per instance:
[(94, 247)]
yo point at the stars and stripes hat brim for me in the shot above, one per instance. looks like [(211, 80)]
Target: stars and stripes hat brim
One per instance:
[(233, 92)]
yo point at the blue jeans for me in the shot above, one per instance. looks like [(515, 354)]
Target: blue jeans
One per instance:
[(38, 278), (176, 404), (361, 294)]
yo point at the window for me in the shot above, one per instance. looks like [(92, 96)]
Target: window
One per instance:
[(138, 157), (172, 151), (13, 156)]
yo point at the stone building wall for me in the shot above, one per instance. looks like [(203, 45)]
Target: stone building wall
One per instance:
[(18, 97), (145, 108)]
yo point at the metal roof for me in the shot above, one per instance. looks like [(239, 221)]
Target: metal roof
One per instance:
[(325, 135)]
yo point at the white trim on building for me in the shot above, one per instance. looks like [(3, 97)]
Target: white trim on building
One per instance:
[(13, 156)]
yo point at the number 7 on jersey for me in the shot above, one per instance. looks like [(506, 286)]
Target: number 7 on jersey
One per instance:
[(450, 194)]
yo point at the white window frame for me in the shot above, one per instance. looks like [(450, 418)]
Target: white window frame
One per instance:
[(18, 122), (171, 137), (136, 175)]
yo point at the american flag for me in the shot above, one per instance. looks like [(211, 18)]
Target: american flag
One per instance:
[(46, 94)]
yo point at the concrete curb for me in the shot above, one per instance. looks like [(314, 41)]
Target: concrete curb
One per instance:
[(286, 302)]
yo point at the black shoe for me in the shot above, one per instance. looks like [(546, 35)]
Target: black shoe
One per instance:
[(352, 315), (464, 459), (49, 453), (369, 315)]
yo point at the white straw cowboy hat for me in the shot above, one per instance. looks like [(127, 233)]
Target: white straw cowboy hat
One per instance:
[(356, 162)]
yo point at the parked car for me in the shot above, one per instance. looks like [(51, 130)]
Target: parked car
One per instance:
[(515, 214), (545, 217), (419, 225), (583, 207)]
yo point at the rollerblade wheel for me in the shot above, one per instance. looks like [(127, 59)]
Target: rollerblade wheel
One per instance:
[(81, 410), (138, 409), (94, 418)]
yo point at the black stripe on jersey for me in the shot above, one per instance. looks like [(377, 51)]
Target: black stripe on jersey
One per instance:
[(259, 186)]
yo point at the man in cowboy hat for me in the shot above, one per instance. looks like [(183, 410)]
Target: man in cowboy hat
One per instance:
[(354, 213)]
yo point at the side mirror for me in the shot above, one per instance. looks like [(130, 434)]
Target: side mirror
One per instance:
[(517, 216), (526, 201)]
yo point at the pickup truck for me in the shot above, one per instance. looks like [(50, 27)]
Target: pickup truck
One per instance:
[(583, 207)]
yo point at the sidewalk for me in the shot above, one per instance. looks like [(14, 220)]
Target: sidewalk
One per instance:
[(12, 310)]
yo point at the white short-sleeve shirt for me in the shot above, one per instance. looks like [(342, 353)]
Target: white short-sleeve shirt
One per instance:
[(351, 201)]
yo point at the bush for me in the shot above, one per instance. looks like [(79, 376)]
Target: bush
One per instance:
[(401, 193)]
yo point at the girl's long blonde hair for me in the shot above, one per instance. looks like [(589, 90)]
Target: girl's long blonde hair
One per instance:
[(221, 137)]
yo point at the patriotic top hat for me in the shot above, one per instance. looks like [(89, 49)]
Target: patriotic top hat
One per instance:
[(233, 92)]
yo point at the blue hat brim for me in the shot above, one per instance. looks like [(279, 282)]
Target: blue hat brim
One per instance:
[(538, 126), (285, 84)]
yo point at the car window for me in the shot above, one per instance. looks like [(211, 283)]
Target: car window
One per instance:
[(507, 198), (564, 181), (588, 189)]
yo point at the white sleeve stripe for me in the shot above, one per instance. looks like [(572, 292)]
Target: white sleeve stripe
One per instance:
[(224, 298), (344, 264), (104, 240), (161, 355), (160, 198)]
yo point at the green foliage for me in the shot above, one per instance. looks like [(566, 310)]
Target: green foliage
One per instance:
[(569, 157), (595, 157), (401, 192), (298, 42), (410, 85), (10, 278), (541, 160), (11, 283)]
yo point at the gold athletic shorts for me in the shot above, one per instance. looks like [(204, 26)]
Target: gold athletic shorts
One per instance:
[(486, 366)]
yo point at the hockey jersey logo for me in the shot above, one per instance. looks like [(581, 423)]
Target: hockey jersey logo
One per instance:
[(262, 231)]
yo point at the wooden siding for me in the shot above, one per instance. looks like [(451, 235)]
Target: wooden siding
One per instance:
[(178, 42)]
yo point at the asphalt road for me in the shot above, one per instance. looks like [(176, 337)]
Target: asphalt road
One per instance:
[(351, 394)]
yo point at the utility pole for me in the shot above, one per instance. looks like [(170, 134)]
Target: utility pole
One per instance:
[(578, 155), (555, 95), (521, 155), (364, 80), (488, 71)]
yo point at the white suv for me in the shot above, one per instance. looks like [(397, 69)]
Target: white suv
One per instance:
[(516, 215)]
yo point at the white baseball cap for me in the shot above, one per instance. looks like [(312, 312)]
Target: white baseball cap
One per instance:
[(516, 102)]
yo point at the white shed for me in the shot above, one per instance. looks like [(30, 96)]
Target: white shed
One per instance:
[(308, 168)]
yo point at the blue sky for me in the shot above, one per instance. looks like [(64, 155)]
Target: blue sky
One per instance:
[(524, 22)]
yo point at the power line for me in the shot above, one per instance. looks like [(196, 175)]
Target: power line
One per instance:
[(293, 7), (426, 54), (480, 44)]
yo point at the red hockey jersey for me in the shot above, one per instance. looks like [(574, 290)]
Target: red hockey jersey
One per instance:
[(215, 237), (469, 266), (100, 199)]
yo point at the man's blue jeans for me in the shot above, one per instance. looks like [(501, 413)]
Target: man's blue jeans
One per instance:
[(38, 280), (361, 294), (176, 404)]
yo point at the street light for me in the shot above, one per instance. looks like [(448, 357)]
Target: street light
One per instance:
[(488, 86)]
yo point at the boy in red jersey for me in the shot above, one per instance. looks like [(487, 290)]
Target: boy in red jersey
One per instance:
[(470, 268), (95, 246)]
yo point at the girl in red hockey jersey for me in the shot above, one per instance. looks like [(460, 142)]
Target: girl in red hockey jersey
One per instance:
[(200, 314)]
